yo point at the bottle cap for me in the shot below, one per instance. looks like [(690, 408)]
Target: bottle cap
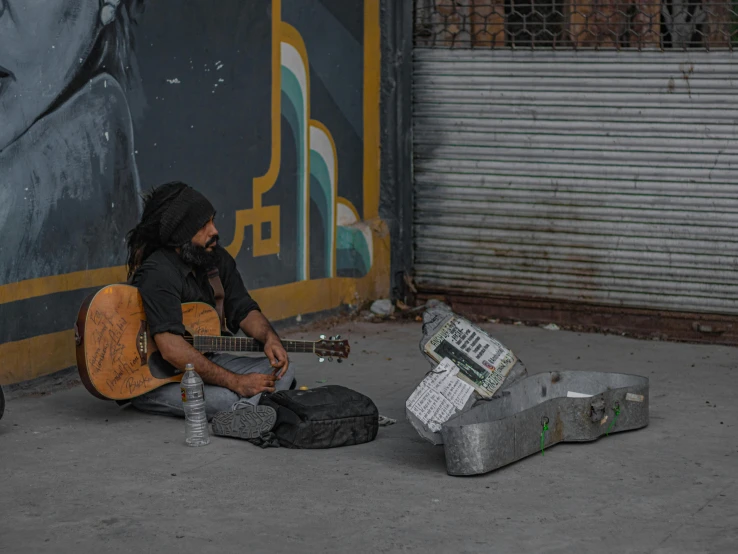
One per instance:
[(189, 367)]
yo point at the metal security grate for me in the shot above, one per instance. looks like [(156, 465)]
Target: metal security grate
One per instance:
[(573, 24)]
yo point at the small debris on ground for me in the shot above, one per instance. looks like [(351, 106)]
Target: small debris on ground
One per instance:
[(432, 303), (385, 421), (551, 327), (382, 307)]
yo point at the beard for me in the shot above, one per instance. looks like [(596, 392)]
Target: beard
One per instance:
[(197, 256)]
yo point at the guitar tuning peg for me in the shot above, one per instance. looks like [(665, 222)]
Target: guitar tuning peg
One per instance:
[(321, 360), (322, 337), (338, 337)]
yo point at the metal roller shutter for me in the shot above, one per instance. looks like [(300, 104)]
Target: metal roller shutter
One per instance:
[(605, 177)]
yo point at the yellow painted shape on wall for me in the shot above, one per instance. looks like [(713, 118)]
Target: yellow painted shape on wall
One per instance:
[(258, 214), (255, 218), (346, 202)]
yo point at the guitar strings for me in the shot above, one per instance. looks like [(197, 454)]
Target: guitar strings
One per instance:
[(239, 344)]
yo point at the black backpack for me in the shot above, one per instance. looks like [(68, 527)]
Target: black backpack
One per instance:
[(323, 417)]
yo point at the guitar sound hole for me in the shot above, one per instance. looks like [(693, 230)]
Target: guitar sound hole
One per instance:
[(160, 368)]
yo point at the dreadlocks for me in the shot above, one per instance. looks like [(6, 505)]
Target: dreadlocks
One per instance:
[(143, 239)]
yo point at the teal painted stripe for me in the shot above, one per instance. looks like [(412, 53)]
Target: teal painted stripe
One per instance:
[(293, 92), (352, 251), (324, 200)]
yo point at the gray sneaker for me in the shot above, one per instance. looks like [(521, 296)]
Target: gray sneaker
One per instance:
[(247, 422)]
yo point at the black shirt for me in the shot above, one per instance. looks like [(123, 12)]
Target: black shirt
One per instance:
[(166, 282)]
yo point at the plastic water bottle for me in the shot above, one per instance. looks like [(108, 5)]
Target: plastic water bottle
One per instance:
[(193, 401)]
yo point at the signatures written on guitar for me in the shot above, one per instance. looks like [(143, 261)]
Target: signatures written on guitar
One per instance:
[(127, 382), (109, 336), (195, 325)]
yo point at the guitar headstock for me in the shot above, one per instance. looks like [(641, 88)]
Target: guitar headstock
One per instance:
[(332, 347)]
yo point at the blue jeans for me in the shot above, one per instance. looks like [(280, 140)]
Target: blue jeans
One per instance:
[(167, 400)]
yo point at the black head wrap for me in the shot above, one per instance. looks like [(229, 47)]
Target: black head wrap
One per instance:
[(173, 214), (184, 216)]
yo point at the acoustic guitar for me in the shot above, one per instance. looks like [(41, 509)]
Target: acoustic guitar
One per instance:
[(117, 358)]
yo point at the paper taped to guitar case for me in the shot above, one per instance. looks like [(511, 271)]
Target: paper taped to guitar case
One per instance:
[(480, 404), (483, 365)]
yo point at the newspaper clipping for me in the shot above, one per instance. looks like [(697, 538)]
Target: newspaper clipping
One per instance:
[(439, 396), (483, 362)]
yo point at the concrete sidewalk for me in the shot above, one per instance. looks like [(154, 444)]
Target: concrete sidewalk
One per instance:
[(81, 475)]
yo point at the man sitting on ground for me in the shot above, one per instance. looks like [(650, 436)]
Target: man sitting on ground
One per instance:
[(171, 254)]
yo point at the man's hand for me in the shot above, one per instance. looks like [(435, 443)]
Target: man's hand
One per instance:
[(277, 356), (252, 384), (256, 325)]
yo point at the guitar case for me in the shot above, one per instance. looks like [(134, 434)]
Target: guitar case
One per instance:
[(528, 414), (540, 411)]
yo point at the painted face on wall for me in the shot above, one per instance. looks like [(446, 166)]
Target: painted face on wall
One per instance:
[(43, 44)]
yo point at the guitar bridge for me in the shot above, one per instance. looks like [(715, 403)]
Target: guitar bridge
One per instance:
[(142, 343)]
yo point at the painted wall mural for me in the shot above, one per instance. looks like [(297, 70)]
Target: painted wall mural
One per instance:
[(270, 107)]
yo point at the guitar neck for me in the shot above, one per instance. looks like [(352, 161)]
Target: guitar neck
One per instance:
[(205, 343)]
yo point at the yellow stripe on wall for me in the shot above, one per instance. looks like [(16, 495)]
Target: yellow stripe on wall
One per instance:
[(35, 357), (42, 286)]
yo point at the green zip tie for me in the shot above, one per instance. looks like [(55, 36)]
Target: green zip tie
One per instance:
[(543, 432), (617, 413)]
